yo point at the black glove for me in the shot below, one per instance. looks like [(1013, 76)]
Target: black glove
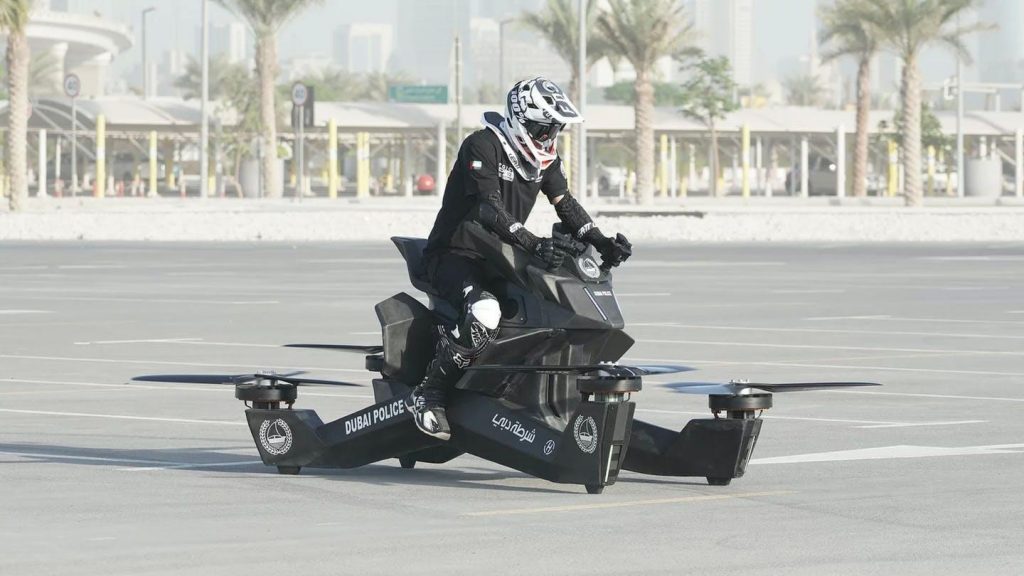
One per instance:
[(613, 251), (551, 251)]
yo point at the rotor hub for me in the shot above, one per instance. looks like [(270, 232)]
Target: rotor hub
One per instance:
[(266, 396), (605, 388), (742, 406)]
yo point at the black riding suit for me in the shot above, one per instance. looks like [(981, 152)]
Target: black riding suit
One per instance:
[(489, 184)]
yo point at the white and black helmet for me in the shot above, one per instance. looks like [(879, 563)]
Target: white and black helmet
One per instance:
[(535, 112)]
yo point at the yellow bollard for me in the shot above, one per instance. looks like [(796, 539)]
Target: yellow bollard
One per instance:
[(362, 164), (894, 161), (100, 188), (153, 153), (169, 165), (931, 170), (663, 166), (629, 182), (332, 159), (745, 160)]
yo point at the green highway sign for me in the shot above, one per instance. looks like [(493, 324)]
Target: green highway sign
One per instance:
[(434, 94)]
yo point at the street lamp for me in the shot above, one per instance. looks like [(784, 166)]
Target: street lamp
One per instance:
[(204, 121), (501, 51), (145, 54)]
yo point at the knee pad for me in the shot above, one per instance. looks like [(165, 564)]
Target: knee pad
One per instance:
[(477, 327)]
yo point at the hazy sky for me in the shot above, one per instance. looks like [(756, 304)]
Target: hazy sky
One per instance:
[(782, 30)]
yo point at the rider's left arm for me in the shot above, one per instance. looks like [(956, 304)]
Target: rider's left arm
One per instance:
[(575, 217)]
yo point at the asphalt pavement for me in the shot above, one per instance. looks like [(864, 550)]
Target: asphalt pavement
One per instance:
[(921, 476)]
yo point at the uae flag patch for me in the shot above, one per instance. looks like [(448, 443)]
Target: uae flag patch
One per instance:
[(476, 165)]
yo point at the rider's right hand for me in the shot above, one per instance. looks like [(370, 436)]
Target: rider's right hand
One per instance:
[(551, 251)]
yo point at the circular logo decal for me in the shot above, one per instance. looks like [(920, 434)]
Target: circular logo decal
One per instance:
[(275, 437), (549, 447), (589, 267), (585, 431)]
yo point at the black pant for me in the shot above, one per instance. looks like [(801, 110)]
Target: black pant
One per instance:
[(450, 274)]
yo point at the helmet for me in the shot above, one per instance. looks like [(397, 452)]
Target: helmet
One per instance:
[(536, 111)]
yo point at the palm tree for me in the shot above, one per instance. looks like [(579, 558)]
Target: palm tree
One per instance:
[(559, 24), (266, 17), (849, 33), (908, 26), (642, 32), (221, 71), (13, 20), (803, 90)]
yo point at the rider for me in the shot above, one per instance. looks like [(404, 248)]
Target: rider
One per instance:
[(495, 181)]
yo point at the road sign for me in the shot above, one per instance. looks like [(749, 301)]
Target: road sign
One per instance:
[(72, 85), (431, 94), (299, 94), (307, 110)]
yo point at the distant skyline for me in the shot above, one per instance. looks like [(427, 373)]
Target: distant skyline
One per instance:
[(781, 34)]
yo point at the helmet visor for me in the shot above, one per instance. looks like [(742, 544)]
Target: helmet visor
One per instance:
[(541, 132)]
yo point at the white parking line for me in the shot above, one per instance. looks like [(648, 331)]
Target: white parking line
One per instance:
[(774, 417), (893, 452), (146, 300), (153, 464), (824, 318), (123, 417), (808, 291), (946, 351), (10, 312), (191, 465), (837, 366), (912, 395), (163, 387), (884, 318), (955, 423), (830, 331), (149, 340), (167, 363)]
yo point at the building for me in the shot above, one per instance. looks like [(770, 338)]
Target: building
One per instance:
[(78, 43), (726, 28), (1000, 57), (363, 48), (230, 41), (313, 65)]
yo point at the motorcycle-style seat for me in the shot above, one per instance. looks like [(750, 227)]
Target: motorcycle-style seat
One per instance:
[(412, 251)]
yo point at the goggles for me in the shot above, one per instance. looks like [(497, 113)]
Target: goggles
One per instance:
[(542, 132)]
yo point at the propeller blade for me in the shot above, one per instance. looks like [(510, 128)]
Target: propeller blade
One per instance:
[(706, 388), (371, 349), (613, 369), (799, 386), (737, 387), (233, 379)]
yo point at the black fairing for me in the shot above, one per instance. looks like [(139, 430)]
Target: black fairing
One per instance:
[(562, 316)]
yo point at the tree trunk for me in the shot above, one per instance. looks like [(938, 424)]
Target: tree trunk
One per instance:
[(713, 162), (266, 66), (860, 151), (17, 119), (912, 131), (644, 110)]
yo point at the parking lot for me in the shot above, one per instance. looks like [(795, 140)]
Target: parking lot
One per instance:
[(920, 476)]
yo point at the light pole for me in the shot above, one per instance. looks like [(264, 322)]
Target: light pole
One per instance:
[(501, 51), (145, 55), (204, 126), (581, 82), (960, 180)]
